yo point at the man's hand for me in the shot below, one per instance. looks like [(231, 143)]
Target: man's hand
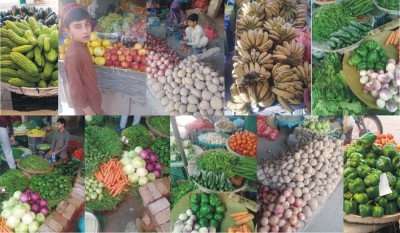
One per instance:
[(12, 139)]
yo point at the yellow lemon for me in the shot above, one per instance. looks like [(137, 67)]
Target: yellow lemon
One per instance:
[(100, 61), (62, 56), (93, 36), (106, 43), (91, 50), (95, 44)]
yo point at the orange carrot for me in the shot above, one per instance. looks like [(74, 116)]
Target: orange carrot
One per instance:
[(390, 37), (244, 219), (231, 230), (396, 37), (236, 214)]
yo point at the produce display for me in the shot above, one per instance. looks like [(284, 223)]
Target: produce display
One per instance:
[(160, 123), (348, 35), (36, 133), (208, 211), (359, 7), (68, 169), (180, 189), (218, 161), (111, 173), (138, 135), (21, 130), (176, 154), (243, 143), (130, 25), (389, 4), (53, 187), (94, 189), (190, 88), (29, 49), (269, 62), (369, 55), (8, 179), (35, 163), (78, 154), (298, 180), (317, 125), (213, 181), (365, 166), (383, 139), (161, 148), (23, 212), (18, 13), (105, 53)]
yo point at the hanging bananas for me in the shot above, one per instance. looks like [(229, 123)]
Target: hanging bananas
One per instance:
[(291, 54)]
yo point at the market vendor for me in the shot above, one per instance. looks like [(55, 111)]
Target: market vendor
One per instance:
[(7, 139), (60, 141), (195, 35), (175, 10)]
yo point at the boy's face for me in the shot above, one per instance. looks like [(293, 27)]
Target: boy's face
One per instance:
[(192, 23), (60, 125), (79, 31)]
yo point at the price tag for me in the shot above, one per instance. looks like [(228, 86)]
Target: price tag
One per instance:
[(384, 188)]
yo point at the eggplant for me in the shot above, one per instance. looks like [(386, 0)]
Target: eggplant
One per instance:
[(51, 20), (15, 9), (2, 14), (17, 18), (49, 10), (50, 15), (41, 21), (9, 17), (26, 18), (9, 12)]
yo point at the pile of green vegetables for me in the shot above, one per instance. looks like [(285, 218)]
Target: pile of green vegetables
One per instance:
[(179, 189), (389, 4), (67, 169), (160, 123), (111, 23), (35, 163), (213, 181), (218, 161), (13, 180), (52, 186), (359, 7), (331, 95), (321, 126), (328, 19), (369, 55), (208, 208), (349, 35), (365, 163), (17, 153), (161, 147), (138, 135), (101, 145), (94, 120)]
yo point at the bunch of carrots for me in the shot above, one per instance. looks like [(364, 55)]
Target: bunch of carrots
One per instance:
[(113, 177), (242, 217), (393, 39), (240, 229), (3, 227), (382, 139)]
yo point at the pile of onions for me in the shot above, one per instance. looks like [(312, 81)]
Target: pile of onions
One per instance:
[(279, 211), (160, 57), (37, 204), (152, 164), (383, 86)]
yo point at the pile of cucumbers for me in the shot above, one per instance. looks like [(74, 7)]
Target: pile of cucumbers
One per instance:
[(349, 35), (213, 181)]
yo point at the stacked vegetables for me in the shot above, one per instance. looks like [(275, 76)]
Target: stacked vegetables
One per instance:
[(8, 179), (94, 189), (111, 173), (348, 35), (78, 154), (269, 62), (51, 186), (366, 164), (138, 135), (36, 133), (160, 123), (321, 126), (16, 14), (244, 143), (161, 147), (35, 163), (25, 211), (389, 4), (213, 138), (369, 56), (359, 7), (382, 139)]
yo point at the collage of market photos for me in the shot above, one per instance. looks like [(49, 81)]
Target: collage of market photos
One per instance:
[(200, 116)]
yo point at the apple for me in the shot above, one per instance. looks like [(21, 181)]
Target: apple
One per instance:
[(114, 57), (143, 59), (119, 52), (107, 56), (136, 58), (142, 67), (114, 51), (109, 63), (124, 65), (108, 50), (120, 44), (126, 52), (128, 58), (121, 58), (116, 63), (134, 66), (133, 52)]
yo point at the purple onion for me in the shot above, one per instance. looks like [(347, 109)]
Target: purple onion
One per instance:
[(144, 154), (153, 157), (157, 173), (43, 202), (391, 106), (159, 166), (385, 95), (35, 208), (375, 94), (24, 197), (34, 196), (376, 85), (394, 90), (45, 211), (368, 87), (383, 78), (150, 167)]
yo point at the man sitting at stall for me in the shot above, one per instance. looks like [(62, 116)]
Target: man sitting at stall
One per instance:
[(195, 35), (60, 140)]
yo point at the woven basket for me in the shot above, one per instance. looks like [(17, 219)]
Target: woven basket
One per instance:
[(36, 92), (154, 131), (34, 172)]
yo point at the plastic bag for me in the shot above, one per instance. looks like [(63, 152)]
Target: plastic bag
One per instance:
[(265, 131), (210, 32)]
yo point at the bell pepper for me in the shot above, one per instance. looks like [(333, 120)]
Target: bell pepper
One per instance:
[(204, 222), (213, 199), (346, 185), (370, 155), (384, 164), (396, 162), (370, 163), (380, 65), (381, 201), (393, 196), (348, 171), (355, 59), (391, 208), (397, 173), (213, 223), (362, 51), (218, 217), (373, 57), (350, 207), (363, 170), (365, 210), (210, 216), (397, 186), (376, 150), (383, 59), (381, 53), (205, 210), (361, 198), (220, 209), (204, 199), (366, 140), (391, 179), (356, 148), (377, 211), (371, 180), (389, 150), (354, 160), (376, 172), (372, 45), (348, 195), (356, 186), (362, 66), (372, 192), (195, 198), (195, 207)]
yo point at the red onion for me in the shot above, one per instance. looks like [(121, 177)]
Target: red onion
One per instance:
[(287, 193), (281, 199), (301, 216), (264, 221), (160, 73), (286, 205), (291, 199), (298, 202), (24, 197), (162, 66), (273, 220), (286, 228), (274, 229), (288, 213), (264, 229), (293, 220), (282, 222)]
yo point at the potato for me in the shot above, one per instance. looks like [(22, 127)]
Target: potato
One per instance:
[(210, 112), (216, 103), (177, 105), (176, 98), (157, 87), (165, 101), (206, 70), (189, 70), (184, 100), (188, 81), (214, 74), (212, 88), (160, 94), (182, 109), (173, 84), (215, 81), (193, 100), (206, 95), (196, 93), (176, 91), (191, 108), (184, 92), (181, 73), (199, 85), (200, 76)]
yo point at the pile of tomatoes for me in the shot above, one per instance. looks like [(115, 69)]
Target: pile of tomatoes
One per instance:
[(244, 143), (78, 154)]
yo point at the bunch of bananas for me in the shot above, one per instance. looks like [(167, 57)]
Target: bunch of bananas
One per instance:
[(279, 30), (288, 11), (301, 16), (304, 72), (247, 22), (289, 53)]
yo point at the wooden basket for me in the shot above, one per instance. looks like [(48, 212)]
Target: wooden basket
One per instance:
[(36, 92), (154, 131), (30, 172)]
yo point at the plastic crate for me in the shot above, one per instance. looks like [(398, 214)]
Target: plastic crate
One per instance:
[(178, 173), (29, 103)]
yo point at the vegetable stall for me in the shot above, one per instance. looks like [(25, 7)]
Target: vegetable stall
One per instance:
[(371, 182), (299, 174), (29, 41), (35, 196), (269, 70), (355, 56), (118, 49), (120, 165), (213, 175)]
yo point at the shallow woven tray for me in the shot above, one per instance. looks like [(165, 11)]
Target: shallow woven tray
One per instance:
[(370, 220), (154, 131), (34, 172), (36, 92)]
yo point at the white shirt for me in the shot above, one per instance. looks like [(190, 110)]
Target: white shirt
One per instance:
[(193, 35)]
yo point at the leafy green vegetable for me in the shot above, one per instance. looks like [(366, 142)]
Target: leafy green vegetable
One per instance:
[(218, 161), (328, 19), (95, 120), (35, 163), (13, 180), (67, 169), (161, 148), (179, 189), (138, 135), (101, 145), (389, 4), (161, 124), (331, 95), (52, 186)]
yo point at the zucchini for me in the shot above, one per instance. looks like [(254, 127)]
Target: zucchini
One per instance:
[(352, 33), (336, 40), (358, 25)]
